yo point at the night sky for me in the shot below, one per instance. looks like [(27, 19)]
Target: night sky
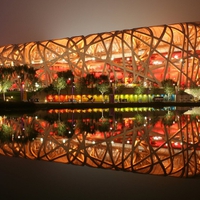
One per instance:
[(36, 20)]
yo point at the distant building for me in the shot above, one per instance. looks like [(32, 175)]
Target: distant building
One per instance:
[(148, 55)]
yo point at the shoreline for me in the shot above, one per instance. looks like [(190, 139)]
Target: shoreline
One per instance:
[(31, 106)]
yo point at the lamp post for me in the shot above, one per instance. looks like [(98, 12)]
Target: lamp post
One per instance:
[(73, 86), (72, 93), (21, 87), (112, 95)]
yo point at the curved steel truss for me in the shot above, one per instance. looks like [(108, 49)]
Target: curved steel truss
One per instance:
[(149, 54)]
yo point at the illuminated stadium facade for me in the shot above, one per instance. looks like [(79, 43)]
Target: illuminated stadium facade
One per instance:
[(149, 55)]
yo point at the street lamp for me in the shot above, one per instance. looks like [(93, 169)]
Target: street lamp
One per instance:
[(73, 86), (112, 97)]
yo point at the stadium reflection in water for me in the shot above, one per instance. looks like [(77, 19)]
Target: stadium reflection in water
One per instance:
[(140, 140)]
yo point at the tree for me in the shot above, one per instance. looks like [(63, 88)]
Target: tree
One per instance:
[(103, 79), (59, 84), (169, 87), (86, 127), (103, 125), (103, 88), (90, 81), (168, 82), (168, 118), (65, 129), (169, 90), (4, 86), (139, 119), (80, 86), (25, 77), (49, 89), (6, 74), (61, 128), (119, 89), (27, 131), (139, 89), (67, 75), (6, 132)]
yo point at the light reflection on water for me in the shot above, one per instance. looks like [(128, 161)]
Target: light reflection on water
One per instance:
[(160, 142)]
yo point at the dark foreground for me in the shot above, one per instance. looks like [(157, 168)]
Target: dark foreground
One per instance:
[(34, 179)]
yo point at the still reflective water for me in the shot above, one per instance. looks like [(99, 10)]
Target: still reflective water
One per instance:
[(141, 140)]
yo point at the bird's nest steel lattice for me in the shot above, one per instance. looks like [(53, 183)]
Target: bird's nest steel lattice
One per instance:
[(150, 54)]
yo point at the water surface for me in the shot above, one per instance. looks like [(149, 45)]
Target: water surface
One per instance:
[(162, 142)]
